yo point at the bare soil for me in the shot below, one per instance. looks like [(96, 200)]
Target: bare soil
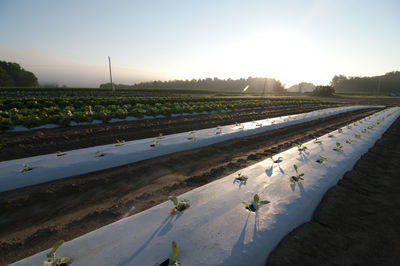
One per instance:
[(358, 220), (32, 219), (16, 145)]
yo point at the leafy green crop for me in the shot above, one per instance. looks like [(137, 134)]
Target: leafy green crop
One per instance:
[(25, 168), (179, 206), (256, 204), (298, 177), (339, 147), (51, 256)]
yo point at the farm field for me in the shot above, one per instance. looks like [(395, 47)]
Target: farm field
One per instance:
[(356, 222), (290, 205), (67, 208)]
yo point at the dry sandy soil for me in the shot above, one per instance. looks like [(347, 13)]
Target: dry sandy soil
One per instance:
[(34, 218), (358, 220)]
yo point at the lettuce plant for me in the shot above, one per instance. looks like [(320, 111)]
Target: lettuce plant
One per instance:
[(330, 136), (175, 253), (52, 259), (119, 142), (350, 141), (339, 147), (179, 206), (278, 160), (322, 159), (301, 147), (60, 153), (98, 154), (219, 131), (298, 177), (25, 168), (256, 204), (160, 136), (340, 130), (155, 143), (241, 178), (317, 141), (358, 136)]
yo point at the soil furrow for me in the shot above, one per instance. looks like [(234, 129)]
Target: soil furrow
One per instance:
[(34, 218)]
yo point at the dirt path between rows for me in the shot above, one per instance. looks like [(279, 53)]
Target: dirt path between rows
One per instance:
[(357, 221), (34, 218), (14, 145)]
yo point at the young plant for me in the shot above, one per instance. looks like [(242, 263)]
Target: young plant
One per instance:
[(259, 124), (119, 142), (60, 153), (25, 168), (339, 147), (349, 126), (219, 131), (179, 206), (241, 178), (350, 141), (364, 130), (298, 177), (256, 204), (98, 154), (340, 130), (330, 136), (155, 143), (317, 141), (160, 136), (278, 160), (321, 159), (301, 147), (358, 136), (52, 259)]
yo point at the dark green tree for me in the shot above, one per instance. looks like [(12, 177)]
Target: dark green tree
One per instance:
[(12, 75)]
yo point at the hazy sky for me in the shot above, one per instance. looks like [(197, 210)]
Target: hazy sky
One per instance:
[(68, 41)]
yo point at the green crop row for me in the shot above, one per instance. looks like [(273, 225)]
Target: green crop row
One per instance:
[(33, 112)]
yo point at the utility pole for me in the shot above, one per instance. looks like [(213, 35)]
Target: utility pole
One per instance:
[(109, 64)]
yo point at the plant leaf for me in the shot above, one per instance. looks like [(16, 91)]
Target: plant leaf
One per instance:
[(174, 200), (246, 204), (295, 168), (302, 174), (256, 199), (57, 245), (175, 250), (263, 202), (64, 260)]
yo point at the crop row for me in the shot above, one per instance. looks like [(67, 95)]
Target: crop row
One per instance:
[(33, 112)]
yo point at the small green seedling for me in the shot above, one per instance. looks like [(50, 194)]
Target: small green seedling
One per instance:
[(350, 141), (339, 147), (175, 253), (52, 259), (278, 160), (179, 206), (298, 177), (219, 131), (60, 153), (330, 136), (160, 136), (317, 141), (349, 126), (241, 178), (256, 204), (358, 136), (25, 168), (155, 143), (340, 130), (301, 147), (98, 154), (364, 130), (321, 159), (259, 124), (119, 142)]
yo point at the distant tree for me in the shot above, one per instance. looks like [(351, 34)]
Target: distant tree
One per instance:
[(12, 75), (324, 91)]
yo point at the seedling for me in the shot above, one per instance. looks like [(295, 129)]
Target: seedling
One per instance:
[(349, 127), (242, 178), (179, 206), (160, 136), (60, 153), (298, 177), (321, 159), (119, 142), (278, 160), (350, 141), (219, 131), (330, 136), (98, 154), (256, 204), (340, 130), (339, 147), (317, 141), (155, 143), (358, 136), (259, 124), (25, 168), (52, 259), (301, 147), (175, 253), (364, 131)]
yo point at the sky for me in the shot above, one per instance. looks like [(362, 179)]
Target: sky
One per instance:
[(68, 41)]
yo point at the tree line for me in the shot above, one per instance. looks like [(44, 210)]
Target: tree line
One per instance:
[(256, 85), (12, 75)]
